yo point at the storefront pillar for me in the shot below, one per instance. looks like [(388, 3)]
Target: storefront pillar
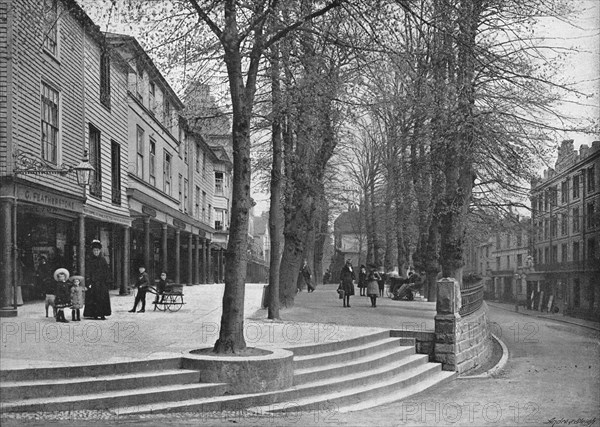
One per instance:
[(177, 256), (126, 260), (165, 265), (209, 274), (204, 278), (190, 262), (81, 257), (146, 243), (196, 260), (6, 273)]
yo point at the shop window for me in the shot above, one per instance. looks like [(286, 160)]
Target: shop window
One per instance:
[(51, 26), (590, 215), (575, 186), (105, 77), (151, 97), (186, 189), (49, 124), (152, 167), (219, 183), (167, 173), (197, 203), (564, 221), (95, 161), (139, 163), (116, 172), (180, 189), (576, 223)]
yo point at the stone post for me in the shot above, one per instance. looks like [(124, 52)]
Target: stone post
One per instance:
[(446, 323)]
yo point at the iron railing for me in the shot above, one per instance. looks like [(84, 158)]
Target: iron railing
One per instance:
[(471, 298)]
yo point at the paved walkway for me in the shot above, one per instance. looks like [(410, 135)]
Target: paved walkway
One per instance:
[(32, 340), (558, 317)]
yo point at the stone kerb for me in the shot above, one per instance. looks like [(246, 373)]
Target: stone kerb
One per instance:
[(461, 343), (247, 374)]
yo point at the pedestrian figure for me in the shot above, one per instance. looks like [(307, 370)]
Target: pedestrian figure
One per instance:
[(373, 278), (381, 281), (97, 278), (77, 297), (50, 289), (362, 280), (160, 289), (326, 276), (306, 277), (141, 284), (347, 279), (63, 294)]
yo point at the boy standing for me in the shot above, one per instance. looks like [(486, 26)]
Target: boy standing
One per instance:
[(141, 284)]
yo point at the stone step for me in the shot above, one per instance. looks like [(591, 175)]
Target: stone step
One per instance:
[(338, 345), (366, 362), (21, 390), (323, 387), (115, 398), (363, 396), (345, 354), (61, 372)]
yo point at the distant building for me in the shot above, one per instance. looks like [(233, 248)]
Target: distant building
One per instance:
[(566, 219)]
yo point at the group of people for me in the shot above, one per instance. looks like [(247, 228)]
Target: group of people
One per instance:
[(68, 291), (92, 292), (370, 282)]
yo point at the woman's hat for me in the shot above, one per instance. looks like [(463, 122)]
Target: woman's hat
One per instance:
[(80, 278), (63, 271), (96, 244)]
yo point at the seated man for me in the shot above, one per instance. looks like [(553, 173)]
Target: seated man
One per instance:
[(413, 283)]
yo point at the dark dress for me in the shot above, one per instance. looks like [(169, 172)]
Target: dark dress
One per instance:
[(362, 279), (63, 295), (347, 278), (98, 276)]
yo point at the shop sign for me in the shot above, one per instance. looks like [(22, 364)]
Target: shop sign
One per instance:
[(149, 211), (179, 223), (48, 200), (106, 216)]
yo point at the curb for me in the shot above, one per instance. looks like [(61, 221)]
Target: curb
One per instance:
[(594, 328), (495, 369)]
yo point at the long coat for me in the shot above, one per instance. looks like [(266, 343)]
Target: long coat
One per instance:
[(98, 276), (373, 284), (63, 295), (77, 299), (347, 278)]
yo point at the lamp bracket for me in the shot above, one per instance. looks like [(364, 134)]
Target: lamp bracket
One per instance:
[(27, 163)]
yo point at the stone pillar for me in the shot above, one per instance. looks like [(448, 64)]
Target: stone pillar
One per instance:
[(190, 258), (209, 274), (81, 257), (197, 260), (146, 243), (6, 267), (177, 256), (446, 323), (203, 261), (126, 260), (164, 250)]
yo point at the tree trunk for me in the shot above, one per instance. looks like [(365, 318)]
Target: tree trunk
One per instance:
[(275, 214)]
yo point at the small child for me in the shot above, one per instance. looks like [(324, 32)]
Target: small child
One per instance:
[(373, 278), (63, 294), (160, 288), (77, 297)]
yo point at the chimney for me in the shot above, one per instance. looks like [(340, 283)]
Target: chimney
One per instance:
[(584, 150)]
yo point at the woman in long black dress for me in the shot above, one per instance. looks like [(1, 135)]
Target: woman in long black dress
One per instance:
[(97, 278)]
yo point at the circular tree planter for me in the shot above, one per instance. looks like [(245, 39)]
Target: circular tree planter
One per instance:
[(253, 370)]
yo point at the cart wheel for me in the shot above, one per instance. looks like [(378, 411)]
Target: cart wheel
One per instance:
[(160, 306), (176, 304)]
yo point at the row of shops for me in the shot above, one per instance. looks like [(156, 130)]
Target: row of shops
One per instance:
[(46, 223)]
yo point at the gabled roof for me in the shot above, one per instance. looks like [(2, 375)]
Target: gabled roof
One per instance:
[(119, 41), (221, 154), (347, 222)]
